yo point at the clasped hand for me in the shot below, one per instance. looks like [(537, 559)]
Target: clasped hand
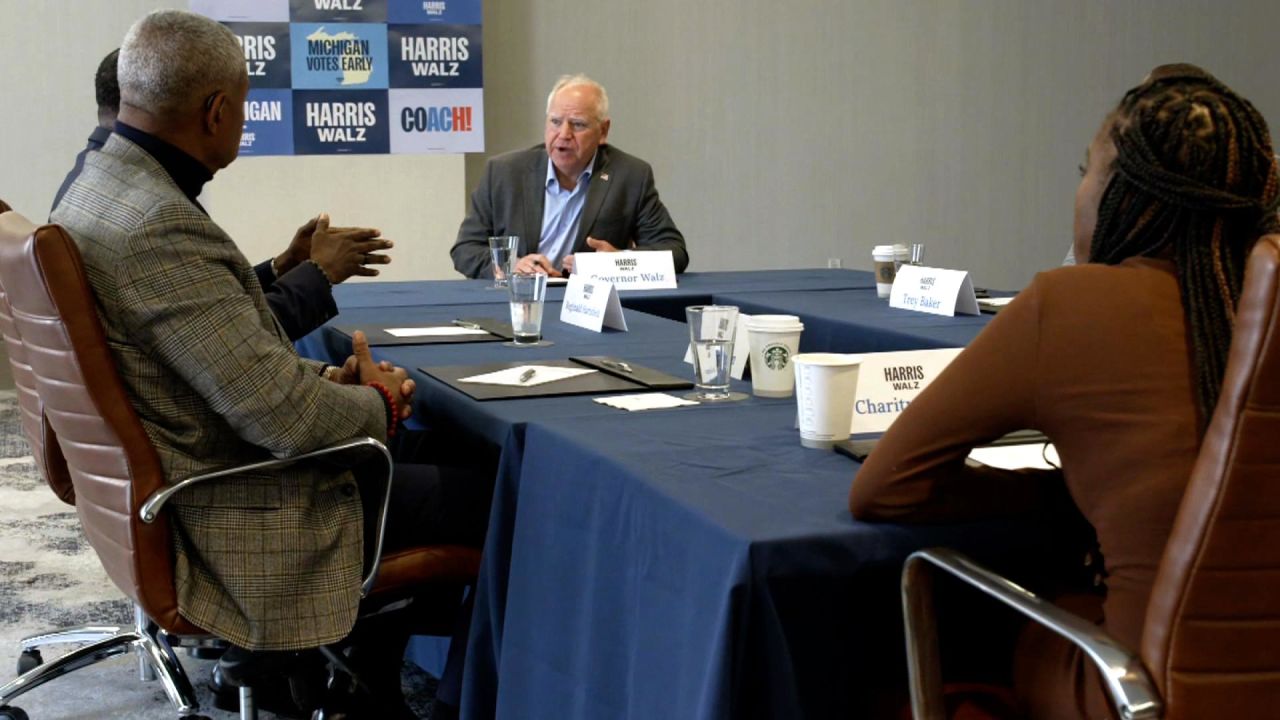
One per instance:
[(361, 368)]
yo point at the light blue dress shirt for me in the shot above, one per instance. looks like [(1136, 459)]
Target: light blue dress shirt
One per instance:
[(561, 211)]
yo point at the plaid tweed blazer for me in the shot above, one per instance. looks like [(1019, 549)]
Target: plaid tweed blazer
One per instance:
[(268, 561)]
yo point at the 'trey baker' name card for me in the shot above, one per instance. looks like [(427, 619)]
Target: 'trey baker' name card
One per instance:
[(933, 290)]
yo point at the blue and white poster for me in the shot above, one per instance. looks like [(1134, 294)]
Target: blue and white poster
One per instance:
[(333, 77), (427, 56)]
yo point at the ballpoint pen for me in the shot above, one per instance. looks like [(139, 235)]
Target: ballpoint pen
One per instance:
[(467, 325), (617, 365), (527, 375)]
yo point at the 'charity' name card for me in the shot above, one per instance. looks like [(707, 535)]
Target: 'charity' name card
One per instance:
[(644, 270), (889, 381), (592, 304), (933, 290)]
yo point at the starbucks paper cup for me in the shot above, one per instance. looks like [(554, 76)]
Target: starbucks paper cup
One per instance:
[(885, 259), (774, 340), (825, 387)]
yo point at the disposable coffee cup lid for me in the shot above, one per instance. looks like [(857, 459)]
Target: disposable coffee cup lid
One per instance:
[(882, 250), (774, 322)]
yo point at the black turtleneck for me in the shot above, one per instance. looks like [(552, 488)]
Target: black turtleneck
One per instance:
[(188, 173)]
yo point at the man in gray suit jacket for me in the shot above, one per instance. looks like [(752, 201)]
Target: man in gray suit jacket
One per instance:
[(569, 195), (270, 560)]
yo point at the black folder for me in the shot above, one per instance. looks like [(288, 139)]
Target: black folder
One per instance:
[(596, 383), (379, 337)]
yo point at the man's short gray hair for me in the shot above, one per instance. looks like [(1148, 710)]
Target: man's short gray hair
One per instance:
[(602, 107), (171, 60)]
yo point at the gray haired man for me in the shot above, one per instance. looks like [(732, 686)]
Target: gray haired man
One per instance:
[(270, 562)]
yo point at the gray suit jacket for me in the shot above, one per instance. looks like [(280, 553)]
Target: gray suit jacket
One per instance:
[(271, 560), (622, 206)]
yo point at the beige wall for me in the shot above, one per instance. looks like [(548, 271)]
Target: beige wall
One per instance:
[(49, 52), (781, 133), (785, 133)]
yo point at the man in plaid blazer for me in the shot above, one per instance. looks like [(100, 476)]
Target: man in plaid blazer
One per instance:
[(270, 561)]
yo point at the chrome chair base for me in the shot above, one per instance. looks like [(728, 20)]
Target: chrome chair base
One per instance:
[(156, 660)]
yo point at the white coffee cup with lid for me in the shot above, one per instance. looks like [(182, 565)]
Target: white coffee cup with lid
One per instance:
[(885, 259), (774, 340)]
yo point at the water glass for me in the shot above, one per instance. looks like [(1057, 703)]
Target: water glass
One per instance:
[(711, 329), (917, 254), (527, 291), (502, 250)]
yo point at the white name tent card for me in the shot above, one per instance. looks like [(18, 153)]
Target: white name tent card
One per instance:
[(592, 304), (933, 290), (889, 381), (741, 348), (642, 270), (446, 330)]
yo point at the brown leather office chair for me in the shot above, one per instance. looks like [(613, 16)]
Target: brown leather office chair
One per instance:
[(120, 488), (1211, 639), (44, 446)]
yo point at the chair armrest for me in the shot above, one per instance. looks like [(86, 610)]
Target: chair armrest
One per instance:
[(151, 508), (1130, 688)]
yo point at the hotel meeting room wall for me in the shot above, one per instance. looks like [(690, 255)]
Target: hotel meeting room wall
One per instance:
[(785, 133)]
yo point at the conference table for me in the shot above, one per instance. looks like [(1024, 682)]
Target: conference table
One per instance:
[(856, 320), (695, 562), (695, 288)]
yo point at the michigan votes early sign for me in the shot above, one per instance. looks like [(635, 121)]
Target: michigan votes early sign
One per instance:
[(358, 76)]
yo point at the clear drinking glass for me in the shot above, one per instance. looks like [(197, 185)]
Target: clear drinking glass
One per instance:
[(711, 329), (502, 250), (917, 254), (527, 291)]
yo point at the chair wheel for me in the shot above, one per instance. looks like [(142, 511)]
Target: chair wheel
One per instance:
[(9, 712), (29, 660)]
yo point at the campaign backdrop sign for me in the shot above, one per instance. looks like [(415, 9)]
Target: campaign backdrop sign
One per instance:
[(266, 53), (453, 12), (332, 76), (355, 11), (243, 10), (429, 56), (437, 121), (327, 123), (268, 123), (336, 55)]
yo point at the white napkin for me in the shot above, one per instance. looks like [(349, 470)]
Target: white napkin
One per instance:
[(541, 374), (1015, 457), (434, 331), (644, 401)]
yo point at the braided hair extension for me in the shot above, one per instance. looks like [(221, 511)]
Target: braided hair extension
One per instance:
[(1194, 181)]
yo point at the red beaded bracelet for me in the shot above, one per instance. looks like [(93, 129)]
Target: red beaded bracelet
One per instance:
[(392, 420)]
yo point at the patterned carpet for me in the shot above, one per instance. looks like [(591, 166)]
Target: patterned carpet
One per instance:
[(50, 578)]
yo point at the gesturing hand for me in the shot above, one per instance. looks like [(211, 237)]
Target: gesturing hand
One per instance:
[(299, 249), (395, 379), (345, 251)]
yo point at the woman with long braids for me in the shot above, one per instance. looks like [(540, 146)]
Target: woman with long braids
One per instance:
[(1119, 361)]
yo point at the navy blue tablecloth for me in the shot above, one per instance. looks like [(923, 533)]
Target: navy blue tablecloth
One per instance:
[(651, 341), (694, 289), (693, 563), (688, 563), (858, 321)]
